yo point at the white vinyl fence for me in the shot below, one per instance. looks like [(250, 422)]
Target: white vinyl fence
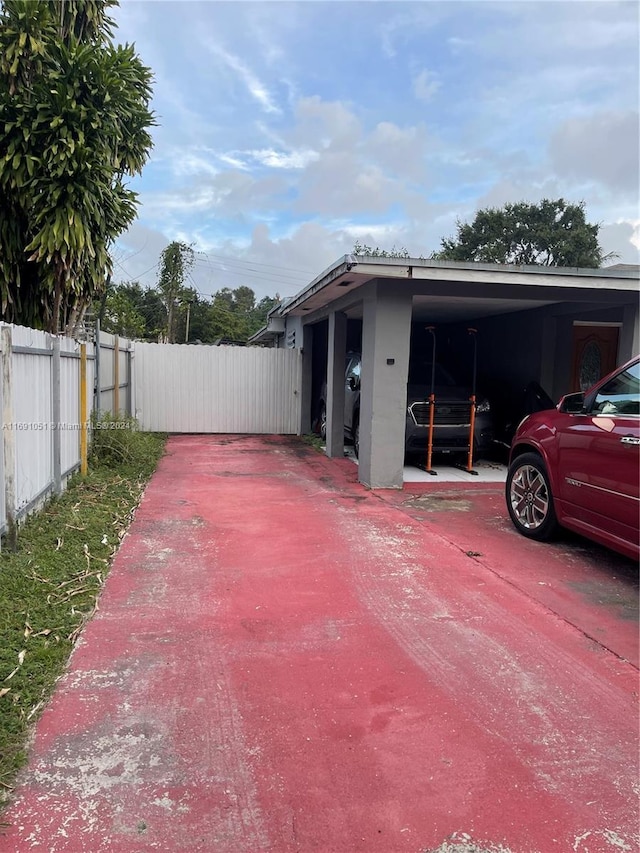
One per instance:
[(41, 418), (168, 387), (217, 389), (113, 387)]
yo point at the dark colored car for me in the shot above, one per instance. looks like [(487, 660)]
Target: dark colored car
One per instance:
[(578, 465), (451, 416)]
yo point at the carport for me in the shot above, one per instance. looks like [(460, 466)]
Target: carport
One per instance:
[(557, 327)]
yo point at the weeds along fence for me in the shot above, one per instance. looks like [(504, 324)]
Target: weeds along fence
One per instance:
[(47, 391)]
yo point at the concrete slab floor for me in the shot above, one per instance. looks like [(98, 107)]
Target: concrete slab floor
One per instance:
[(487, 471), (285, 661)]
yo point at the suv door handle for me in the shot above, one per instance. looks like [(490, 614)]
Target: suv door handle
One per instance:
[(630, 439)]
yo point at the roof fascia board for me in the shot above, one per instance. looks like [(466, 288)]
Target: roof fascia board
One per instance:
[(446, 271), (518, 277), (342, 303), (342, 265)]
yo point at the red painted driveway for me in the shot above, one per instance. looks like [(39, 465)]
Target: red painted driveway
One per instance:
[(283, 661)]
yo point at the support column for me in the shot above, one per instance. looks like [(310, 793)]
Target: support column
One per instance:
[(629, 343), (337, 353), (386, 334), (306, 414)]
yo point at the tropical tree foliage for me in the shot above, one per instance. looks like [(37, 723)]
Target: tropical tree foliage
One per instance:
[(552, 233), (362, 250), (229, 315), (74, 125), (132, 311), (176, 261), (235, 315)]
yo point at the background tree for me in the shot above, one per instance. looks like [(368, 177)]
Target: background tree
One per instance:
[(236, 316), (176, 261), (259, 313), (199, 310), (552, 233), (121, 315), (136, 312), (74, 120), (133, 312), (362, 250)]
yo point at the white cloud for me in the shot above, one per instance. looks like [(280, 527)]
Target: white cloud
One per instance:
[(321, 123), (295, 159), (623, 239), (292, 159), (233, 160), (458, 44), (426, 84), (254, 86), (400, 151), (600, 148), (192, 162)]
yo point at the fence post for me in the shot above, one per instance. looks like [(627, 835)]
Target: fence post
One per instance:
[(9, 437), (97, 387), (129, 390), (116, 377), (133, 411), (83, 409), (55, 415)]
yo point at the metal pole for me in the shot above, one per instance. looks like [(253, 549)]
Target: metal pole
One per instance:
[(116, 377), (98, 388), (432, 402), (55, 416), (472, 400), (83, 410), (186, 333), (9, 446)]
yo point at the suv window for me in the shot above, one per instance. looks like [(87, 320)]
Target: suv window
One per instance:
[(620, 395)]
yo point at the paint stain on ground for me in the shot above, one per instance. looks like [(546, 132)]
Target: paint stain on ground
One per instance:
[(606, 594), (463, 843), (439, 503)]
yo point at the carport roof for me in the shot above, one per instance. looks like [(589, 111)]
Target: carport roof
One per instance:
[(444, 282)]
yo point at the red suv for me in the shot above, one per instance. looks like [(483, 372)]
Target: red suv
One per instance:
[(578, 465)]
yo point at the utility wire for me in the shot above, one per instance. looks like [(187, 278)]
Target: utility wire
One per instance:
[(251, 273), (229, 259)]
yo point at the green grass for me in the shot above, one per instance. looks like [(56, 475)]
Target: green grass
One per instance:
[(49, 586), (314, 440)]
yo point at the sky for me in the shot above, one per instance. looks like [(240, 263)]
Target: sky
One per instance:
[(287, 131)]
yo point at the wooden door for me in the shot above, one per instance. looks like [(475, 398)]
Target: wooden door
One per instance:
[(595, 353)]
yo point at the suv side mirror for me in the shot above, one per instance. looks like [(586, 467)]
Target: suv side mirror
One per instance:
[(572, 404), (352, 382)]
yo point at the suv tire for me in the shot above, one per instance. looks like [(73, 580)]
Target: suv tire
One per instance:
[(529, 498)]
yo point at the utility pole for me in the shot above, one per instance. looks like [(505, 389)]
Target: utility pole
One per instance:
[(186, 331)]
